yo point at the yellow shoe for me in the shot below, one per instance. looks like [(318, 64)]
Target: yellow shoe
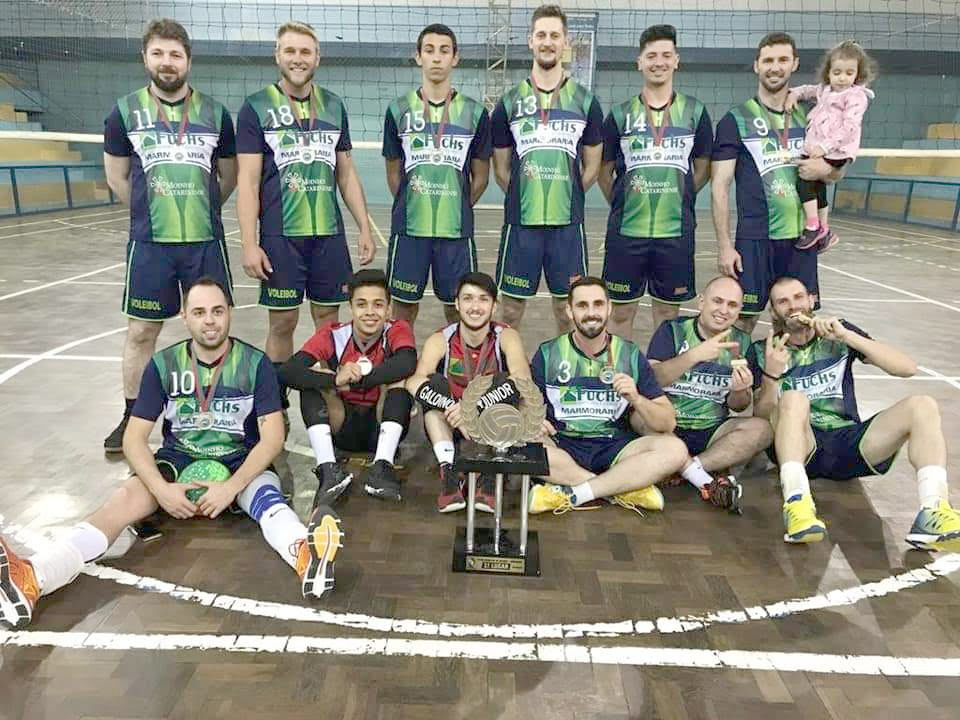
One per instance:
[(549, 497), (936, 529), (648, 498), (801, 521), (317, 552), (19, 588)]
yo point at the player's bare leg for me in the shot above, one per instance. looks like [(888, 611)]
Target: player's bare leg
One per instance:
[(661, 312), (622, 318)]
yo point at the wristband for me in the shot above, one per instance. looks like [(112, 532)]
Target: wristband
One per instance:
[(431, 398), (772, 377)]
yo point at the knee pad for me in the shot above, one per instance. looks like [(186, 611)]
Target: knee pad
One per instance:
[(396, 407), (313, 408), (435, 393)]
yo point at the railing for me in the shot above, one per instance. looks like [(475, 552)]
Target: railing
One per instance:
[(51, 187), (943, 209)]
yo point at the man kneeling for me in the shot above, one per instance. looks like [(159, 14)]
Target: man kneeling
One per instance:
[(350, 377), (220, 400), (600, 393), (700, 363)]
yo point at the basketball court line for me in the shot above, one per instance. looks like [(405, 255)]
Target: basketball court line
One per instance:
[(638, 656), (875, 226), (35, 288), (15, 226), (891, 288)]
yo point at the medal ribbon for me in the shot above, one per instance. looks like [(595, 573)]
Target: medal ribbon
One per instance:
[(184, 121), (294, 103), (438, 132), (595, 357), (364, 347), (482, 357), (544, 111), (204, 402), (658, 132), (783, 134)]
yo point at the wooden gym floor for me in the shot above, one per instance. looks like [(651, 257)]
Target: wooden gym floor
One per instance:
[(691, 613)]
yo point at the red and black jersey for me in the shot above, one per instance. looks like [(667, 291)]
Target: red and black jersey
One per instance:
[(334, 344), (453, 366)]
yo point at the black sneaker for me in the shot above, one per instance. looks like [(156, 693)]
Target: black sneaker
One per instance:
[(334, 481), (382, 481), (113, 443), (724, 491), (450, 498), (486, 497)]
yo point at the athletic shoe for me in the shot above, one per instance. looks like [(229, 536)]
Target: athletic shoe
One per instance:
[(113, 443), (19, 588), (317, 552), (382, 481), (811, 238), (801, 521), (450, 498), (827, 241), (486, 497), (936, 529), (648, 498), (334, 481), (725, 492), (548, 496)]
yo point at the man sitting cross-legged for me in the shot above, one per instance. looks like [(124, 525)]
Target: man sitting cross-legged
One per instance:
[(350, 377), (600, 393), (699, 362), (451, 358), (220, 400), (803, 378)]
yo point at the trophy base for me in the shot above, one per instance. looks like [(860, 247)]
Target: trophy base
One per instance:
[(482, 559)]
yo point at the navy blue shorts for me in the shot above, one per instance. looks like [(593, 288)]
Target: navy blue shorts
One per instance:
[(410, 259), (696, 440), (171, 463), (561, 252), (158, 273), (631, 265), (837, 456), (319, 266), (766, 260), (594, 454)]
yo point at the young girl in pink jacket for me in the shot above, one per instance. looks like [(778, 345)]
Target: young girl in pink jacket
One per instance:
[(833, 129)]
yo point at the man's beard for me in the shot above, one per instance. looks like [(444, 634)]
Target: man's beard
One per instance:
[(168, 86), (766, 86), (286, 76), (467, 322), (590, 333), (547, 64)]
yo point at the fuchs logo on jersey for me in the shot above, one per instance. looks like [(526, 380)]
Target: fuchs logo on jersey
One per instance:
[(295, 147), (167, 188), (824, 383), (229, 414), (768, 155), (571, 403), (702, 386), (418, 150), (161, 148), (640, 151), (530, 134)]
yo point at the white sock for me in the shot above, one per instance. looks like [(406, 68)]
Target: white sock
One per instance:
[(695, 474), (582, 493), (793, 480), (56, 565), (445, 451), (322, 443), (89, 541), (283, 531), (932, 485), (390, 433)]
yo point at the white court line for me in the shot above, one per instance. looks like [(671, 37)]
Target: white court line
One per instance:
[(16, 226), (878, 665), (85, 358), (64, 221), (955, 382), (900, 242), (60, 282), (875, 228), (891, 288), (20, 367)]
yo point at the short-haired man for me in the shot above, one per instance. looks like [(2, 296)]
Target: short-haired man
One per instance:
[(351, 381), (436, 142), (169, 154), (700, 362), (656, 157), (600, 393), (293, 153), (547, 148), (220, 401), (474, 345), (759, 145), (803, 378)]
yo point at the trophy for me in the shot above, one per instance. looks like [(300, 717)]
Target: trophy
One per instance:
[(502, 442)]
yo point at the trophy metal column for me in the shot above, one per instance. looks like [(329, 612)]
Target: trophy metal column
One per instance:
[(501, 447)]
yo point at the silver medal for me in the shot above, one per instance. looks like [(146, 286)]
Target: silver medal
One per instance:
[(365, 365), (436, 158), (203, 420), (606, 374)]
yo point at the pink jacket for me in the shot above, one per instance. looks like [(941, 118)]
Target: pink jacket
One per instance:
[(834, 123)]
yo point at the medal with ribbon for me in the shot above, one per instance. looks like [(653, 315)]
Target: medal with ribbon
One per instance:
[(661, 130), (363, 362), (311, 100), (203, 418), (184, 121), (436, 156)]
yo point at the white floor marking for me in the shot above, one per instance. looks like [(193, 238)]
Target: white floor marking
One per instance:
[(86, 358), (17, 226), (20, 367), (934, 375), (917, 296), (820, 663), (60, 282), (897, 229)]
